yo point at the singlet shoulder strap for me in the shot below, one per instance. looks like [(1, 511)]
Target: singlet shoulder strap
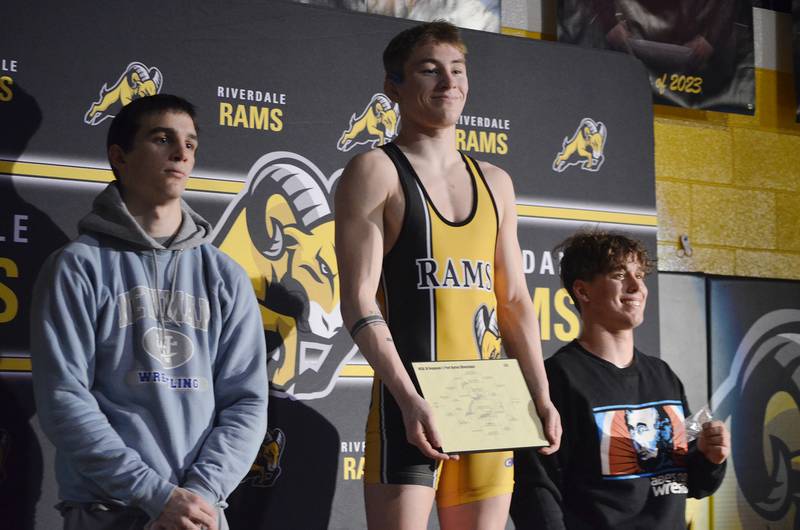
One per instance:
[(404, 169), (480, 181)]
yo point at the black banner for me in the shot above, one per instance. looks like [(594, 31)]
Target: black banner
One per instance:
[(796, 54), (698, 55), (781, 6), (278, 83)]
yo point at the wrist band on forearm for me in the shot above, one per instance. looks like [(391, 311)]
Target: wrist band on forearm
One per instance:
[(364, 322)]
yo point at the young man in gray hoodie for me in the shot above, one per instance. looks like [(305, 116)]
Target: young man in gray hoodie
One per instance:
[(149, 365)]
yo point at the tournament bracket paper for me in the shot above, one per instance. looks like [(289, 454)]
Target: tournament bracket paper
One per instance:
[(480, 405)]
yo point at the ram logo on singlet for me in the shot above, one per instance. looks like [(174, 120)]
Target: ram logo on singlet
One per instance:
[(136, 81), (464, 274), (487, 333)]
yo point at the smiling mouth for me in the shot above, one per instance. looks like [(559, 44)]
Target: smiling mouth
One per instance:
[(632, 303)]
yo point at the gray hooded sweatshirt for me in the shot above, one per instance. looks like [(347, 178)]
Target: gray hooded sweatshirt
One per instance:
[(149, 364)]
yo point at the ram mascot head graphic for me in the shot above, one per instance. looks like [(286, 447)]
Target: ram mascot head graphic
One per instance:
[(280, 229), (135, 82), (487, 333), (376, 125), (585, 148), (761, 396)]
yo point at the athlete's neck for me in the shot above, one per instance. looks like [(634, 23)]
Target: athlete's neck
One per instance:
[(437, 146), (157, 221), (615, 347)]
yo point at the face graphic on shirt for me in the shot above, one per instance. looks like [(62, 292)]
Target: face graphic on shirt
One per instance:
[(644, 431), (648, 439)]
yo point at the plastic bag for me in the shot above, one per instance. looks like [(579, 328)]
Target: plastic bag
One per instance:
[(694, 423)]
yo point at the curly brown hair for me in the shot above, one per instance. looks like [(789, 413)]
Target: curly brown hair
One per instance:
[(589, 253)]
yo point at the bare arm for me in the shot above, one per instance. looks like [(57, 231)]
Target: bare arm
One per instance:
[(360, 202), (516, 316)]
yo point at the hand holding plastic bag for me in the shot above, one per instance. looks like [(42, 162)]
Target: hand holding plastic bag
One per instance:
[(694, 423)]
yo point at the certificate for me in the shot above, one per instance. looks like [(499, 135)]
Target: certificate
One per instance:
[(480, 405)]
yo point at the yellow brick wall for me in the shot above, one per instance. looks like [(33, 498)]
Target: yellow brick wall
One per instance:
[(732, 184)]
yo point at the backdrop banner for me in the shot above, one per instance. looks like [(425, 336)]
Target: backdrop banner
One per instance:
[(796, 53), (286, 86), (698, 55), (754, 342)]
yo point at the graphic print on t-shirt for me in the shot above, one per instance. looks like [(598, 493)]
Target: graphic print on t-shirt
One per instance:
[(641, 440)]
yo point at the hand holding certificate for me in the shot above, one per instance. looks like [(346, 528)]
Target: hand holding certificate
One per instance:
[(480, 405)]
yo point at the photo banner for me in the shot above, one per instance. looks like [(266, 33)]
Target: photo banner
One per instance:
[(284, 85), (698, 55), (483, 15), (796, 54), (754, 342)]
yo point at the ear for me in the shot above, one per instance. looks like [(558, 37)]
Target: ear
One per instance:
[(390, 88), (116, 156), (581, 290)]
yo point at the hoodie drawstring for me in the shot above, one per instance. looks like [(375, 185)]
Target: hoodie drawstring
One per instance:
[(159, 307)]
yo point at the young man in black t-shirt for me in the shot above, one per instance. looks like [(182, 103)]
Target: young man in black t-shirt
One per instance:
[(624, 460)]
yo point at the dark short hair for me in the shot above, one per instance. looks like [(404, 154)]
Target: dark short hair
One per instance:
[(589, 253), (403, 44), (126, 123)]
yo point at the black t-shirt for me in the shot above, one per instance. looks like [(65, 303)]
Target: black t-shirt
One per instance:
[(624, 461)]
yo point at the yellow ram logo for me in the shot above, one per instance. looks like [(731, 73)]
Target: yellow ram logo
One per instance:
[(280, 230), (487, 333), (267, 467), (135, 82), (585, 148), (376, 125)]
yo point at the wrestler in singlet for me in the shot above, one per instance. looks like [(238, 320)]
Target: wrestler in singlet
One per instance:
[(437, 297)]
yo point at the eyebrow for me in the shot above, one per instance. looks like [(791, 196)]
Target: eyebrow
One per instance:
[(168, 130), (432, 60)]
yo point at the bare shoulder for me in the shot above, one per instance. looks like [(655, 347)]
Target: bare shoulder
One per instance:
[(367, 177), (370, 167), (499, 181), (370, 172)]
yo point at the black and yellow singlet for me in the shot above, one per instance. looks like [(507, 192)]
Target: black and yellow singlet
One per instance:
[(437, 280), (437, 296)]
